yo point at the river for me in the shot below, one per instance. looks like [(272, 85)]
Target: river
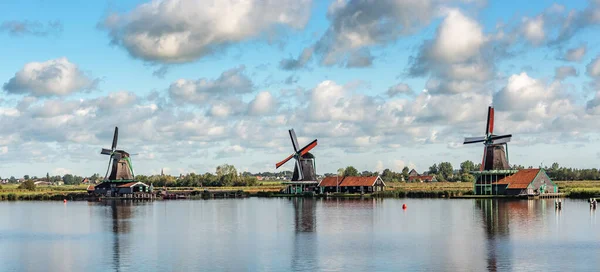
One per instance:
[(281, 234)]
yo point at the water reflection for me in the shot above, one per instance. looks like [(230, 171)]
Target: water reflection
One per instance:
[(304, 255), (495, 218)]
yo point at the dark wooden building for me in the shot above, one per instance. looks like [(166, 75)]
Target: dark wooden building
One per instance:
[(330, 184), (361, 184)]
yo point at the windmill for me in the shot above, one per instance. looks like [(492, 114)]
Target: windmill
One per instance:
[(494, 152), (119, 163), (305, 162)]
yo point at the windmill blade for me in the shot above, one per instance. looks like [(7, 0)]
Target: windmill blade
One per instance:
[(501, 140), (496, 137), (308, 147), (489, 128), (279, 164), (115, 138), (106, 151), (300, 172), (470, 140), (294, 139)]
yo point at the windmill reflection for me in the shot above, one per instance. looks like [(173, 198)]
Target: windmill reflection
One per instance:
[(305, 241), (120, 212), (495, 219)]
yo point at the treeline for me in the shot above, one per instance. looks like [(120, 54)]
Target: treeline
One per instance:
[(225, 176), (67, 179)]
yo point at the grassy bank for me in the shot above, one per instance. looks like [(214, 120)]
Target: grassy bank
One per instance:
[(579, 189), (573, 189)]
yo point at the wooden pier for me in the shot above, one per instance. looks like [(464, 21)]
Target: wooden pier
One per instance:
[(548, 195)]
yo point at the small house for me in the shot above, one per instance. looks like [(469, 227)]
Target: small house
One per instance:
[(527, 182), (330, 184), (413, 173), (361, 184), (423, 178), (132, 187)]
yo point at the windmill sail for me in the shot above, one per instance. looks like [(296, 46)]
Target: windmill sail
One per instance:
[(494, 152), (304, 166)]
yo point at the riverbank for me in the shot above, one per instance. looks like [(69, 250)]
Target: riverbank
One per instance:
[(572, 189)]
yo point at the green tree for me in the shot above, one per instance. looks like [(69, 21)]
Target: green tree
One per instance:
[(27, 185), (467, 167), (433, 169), (405, 171), (26, 177), (47, 177), (12, 179), (466, 177), (227, 175), (387, 175), (446, 171), (350, 171), (69, 179)]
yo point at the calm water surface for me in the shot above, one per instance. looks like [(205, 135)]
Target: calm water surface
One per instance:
[(299, 235)]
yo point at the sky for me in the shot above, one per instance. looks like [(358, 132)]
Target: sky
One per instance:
[(193, 84)]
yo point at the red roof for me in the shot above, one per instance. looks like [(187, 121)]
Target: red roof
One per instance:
[(91, 188), (358, 181), (127, 185), (410, 178), (521, 179), (330, 181)]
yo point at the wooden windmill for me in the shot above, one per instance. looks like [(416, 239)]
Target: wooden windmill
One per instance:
[(305, 161), (495, 155), (119, 164)]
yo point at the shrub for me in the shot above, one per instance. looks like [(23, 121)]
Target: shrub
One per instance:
[(27, 185)]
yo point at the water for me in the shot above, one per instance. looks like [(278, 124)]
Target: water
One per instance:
[(299, 235)]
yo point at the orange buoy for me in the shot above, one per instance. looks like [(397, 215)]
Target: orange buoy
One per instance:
[(64, 200), (404, 206)]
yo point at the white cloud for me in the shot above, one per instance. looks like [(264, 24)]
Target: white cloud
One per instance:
[(534, 29), (233, 81), (262, 104), (400, 88), (56, 77), (172, 31), (448, 48)]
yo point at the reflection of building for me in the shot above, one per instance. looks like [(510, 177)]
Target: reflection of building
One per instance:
[(304, 215), (495, 219), (305, 245), (513, 182), (121, 213)]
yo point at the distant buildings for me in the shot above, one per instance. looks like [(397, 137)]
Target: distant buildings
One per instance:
[(413, 176)]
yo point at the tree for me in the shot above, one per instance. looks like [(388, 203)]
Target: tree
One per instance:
[(433, 169), (26, 177), (466, 177), (227, 175), (350, 171), (12, 179), (27, 185), (405, 171), (445, 170), (340, 172), (466, 167), (387, 175), (47, 177), (68, 179)]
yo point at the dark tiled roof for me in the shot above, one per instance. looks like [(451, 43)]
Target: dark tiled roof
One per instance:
[(358, 181), (521, 179)]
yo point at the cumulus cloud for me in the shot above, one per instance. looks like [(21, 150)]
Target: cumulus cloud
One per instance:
[(233, 81), (174, 31), (563, 72), (356, 25), (593, 68), (534, 30), (455, 65), (58, 77), (575, 54), (35, 28), (400, 88), (262, 104)]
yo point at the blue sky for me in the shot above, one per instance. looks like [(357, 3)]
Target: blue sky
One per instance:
[(381, 84)]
